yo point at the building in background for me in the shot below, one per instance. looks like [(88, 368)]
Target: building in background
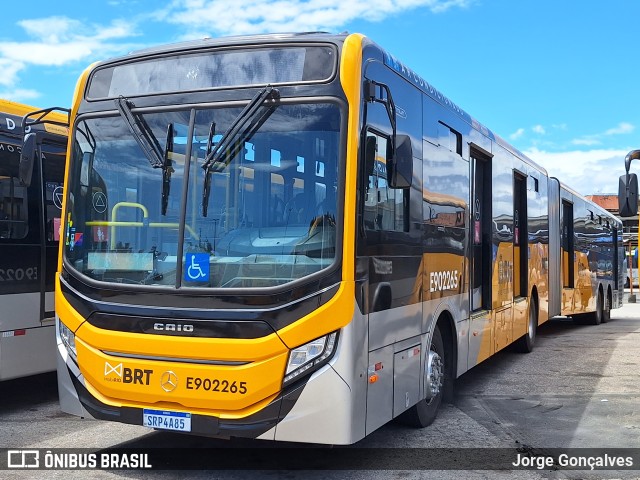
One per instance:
[(630, 231)]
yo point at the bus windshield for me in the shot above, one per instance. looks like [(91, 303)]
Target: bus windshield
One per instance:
[(268, 218)]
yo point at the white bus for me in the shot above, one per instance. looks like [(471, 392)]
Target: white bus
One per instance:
[(29, 233)]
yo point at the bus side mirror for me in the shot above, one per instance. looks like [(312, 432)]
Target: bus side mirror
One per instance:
[(628, 195), (27, 158), (400, 168)]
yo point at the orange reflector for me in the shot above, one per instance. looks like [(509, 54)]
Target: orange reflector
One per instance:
[(373, 378)]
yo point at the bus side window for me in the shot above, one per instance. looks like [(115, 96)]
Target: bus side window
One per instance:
[(13, 208), (384, 207)]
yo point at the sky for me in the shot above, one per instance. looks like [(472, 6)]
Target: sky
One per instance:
[(557, 79)]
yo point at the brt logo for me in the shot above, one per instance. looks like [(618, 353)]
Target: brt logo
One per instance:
[(120, 373)]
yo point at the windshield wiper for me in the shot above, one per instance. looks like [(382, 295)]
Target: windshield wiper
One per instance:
[(245, 125), (207, 175), (167, 169), (141, 132)]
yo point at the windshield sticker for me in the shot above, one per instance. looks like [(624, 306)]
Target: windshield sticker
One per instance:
[(57, 193), (100, 234), (122, 261), (76, 239), (69, 226), (196, 267), (99, 202), (57, 226)]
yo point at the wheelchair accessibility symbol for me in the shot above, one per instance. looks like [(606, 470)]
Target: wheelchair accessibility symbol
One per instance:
[(196, 267)]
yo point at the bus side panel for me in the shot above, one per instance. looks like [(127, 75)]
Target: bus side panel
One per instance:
[(555, 287), (391, 248), (503, 259), (445, 210), (31, 353)]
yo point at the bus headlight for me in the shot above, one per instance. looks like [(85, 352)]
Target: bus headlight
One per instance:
[(68, 339), (309, 356)]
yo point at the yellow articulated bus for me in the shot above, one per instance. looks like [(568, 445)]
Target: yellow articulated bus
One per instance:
[(296, 237), (30, 213)]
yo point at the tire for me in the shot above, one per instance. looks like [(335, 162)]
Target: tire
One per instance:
[(526, 343), (606, 312), (595, 318), (424, 412)]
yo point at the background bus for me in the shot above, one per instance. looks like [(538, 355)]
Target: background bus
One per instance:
[(296, 237), (29, 235)]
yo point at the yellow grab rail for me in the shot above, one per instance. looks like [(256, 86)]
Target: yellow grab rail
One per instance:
[(145, 214)]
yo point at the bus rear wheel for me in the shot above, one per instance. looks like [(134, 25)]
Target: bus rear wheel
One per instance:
[(606, 312), (424, 412), (595, 318)]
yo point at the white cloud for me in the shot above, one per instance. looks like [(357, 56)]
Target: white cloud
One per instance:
[(586, 141), (591, 140), (442, 6), (621, 129), (588, 172), (42, 53), (56, 41), (10, 69), (517, 134), (260, 16), (539, 129), (59, 41), (19, 94)]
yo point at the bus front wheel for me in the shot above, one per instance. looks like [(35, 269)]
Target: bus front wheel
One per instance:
[(424, 412)]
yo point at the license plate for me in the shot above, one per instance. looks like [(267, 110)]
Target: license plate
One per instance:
[(165, 420)]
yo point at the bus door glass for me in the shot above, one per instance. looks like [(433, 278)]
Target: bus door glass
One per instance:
[(520, 236), (481, 222), (52, 162), (567, 245)]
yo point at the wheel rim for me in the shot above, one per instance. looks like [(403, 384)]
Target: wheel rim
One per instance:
[(435, 374)]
